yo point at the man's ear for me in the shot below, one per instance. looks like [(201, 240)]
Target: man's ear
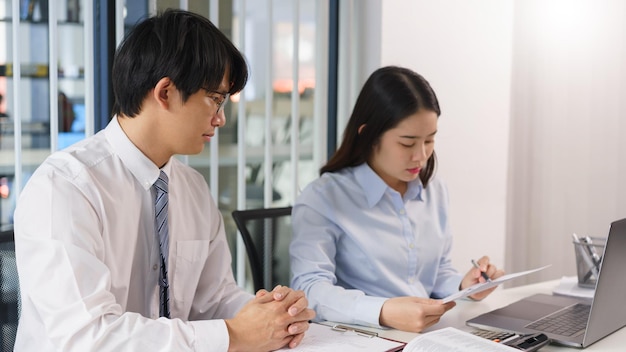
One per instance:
[(361, 128), (163, 92)]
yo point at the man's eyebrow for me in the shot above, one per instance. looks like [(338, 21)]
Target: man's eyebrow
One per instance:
[(216, 91), (417, 137)]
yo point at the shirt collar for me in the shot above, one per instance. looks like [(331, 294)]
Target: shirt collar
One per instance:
[(414, 190), (374, 187), (144, 170)]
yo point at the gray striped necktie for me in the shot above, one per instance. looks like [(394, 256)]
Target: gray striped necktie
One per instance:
[(160, 211)]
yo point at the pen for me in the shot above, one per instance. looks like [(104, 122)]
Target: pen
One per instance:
[(592, 251), (593, 269), (482, 273)]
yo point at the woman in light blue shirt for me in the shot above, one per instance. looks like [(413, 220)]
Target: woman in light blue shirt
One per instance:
[(371, 241)]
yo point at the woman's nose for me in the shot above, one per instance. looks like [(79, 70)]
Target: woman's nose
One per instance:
[(420, 153)]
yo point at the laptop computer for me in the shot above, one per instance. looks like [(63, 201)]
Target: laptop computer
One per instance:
[(601, 316)]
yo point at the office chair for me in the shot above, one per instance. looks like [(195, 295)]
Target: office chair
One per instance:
[(266, 234), (9, 291)]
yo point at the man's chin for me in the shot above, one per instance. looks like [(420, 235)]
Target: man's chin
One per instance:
[(193, 150)]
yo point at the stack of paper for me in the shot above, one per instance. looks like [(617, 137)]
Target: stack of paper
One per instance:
[(569, 287)]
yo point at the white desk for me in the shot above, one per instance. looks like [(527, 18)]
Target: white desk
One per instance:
[(466, 310)]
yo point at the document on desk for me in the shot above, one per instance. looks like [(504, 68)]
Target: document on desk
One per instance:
[(568, 286), (324, 338), (454, 340), (487, 285)]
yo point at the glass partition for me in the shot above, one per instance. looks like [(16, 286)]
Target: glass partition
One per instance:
[(43, 107)]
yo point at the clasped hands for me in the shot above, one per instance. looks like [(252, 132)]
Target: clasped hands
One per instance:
[(270, 321)]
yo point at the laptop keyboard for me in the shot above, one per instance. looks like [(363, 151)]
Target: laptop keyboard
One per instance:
[(566, 322)]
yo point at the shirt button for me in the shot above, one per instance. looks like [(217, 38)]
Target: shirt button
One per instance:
[(410, 281), (155, 267), (402, 211), (411, 246), (148, 184)]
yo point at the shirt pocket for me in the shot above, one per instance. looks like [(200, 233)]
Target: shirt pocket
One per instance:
[(191, 257)]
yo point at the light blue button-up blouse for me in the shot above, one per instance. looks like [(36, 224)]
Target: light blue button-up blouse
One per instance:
[(357, 242)]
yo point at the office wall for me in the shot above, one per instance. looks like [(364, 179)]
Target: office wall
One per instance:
[(464, 49), (568, 154), (530, 136)]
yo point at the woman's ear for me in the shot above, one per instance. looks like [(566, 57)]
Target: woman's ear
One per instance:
[(361, 128)]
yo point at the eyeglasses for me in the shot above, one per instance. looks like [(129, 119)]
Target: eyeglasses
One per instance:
[(220, 100)]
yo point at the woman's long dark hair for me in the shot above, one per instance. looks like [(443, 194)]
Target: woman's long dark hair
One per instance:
[(389, 95)]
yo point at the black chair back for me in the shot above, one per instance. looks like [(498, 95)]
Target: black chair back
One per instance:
[(9, 291), (266, 234)]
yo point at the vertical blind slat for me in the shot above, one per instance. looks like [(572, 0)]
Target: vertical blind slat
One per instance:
[(269, 98), (320, 98), (295, 101), (53, 73), (241, 151), (90, 113), (214, 155), (17, 110), (119, 22)]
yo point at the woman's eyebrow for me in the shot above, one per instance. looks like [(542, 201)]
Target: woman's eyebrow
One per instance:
[(418, 137)]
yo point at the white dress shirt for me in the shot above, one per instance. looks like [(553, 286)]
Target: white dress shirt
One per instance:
[(357, 242), (88, 256)]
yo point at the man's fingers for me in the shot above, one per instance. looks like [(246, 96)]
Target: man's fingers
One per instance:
[(291, 298), (262, 296), (304, 315), (296, 340), (298, 306)]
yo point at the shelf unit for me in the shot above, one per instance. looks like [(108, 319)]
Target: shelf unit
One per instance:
[(35, 78), (38, 81)]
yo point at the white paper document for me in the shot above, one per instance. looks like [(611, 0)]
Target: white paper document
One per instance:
[(322, 338), (568, 286), (487, 285), (454, 340)]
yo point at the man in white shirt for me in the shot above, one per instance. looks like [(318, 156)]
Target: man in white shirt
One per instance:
[(87, 248)]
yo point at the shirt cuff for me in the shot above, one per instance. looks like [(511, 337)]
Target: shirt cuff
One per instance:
[(367, 310), (211, 335)]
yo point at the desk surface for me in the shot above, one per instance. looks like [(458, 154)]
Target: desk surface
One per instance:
[(466, 310)]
